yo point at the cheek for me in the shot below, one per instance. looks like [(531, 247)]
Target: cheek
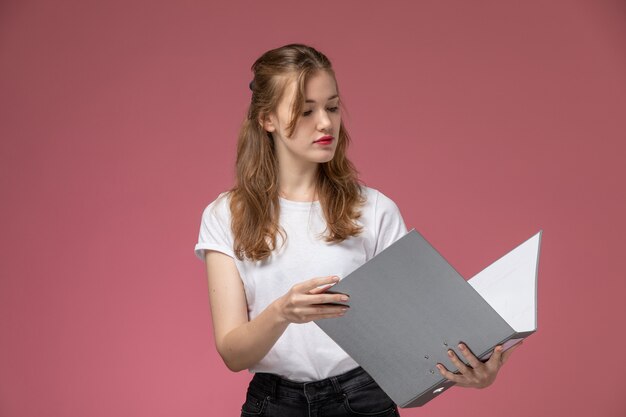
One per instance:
[(337, 122)]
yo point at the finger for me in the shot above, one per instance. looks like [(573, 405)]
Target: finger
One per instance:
[(473, 360), (505, 355), (330, 298), (449, 375), (496, 357), (321, 289), (318, 309), (458, 363), (312, 284), (307, 314), (327, 316)]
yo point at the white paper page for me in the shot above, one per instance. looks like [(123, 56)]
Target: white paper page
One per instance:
[(509, 285)]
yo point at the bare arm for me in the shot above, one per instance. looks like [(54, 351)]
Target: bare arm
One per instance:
[(242, 343)]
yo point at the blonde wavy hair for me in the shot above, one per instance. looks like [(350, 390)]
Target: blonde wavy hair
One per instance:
[(254, 200)]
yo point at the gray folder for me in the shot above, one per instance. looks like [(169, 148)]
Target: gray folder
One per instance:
[(408, 305)]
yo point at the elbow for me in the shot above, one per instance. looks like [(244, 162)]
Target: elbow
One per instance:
[(232, 365), (229, 361)]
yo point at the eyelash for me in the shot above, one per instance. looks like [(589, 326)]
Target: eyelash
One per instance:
[(331, 109)]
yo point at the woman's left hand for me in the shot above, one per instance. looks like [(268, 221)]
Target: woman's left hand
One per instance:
[(478, 374)]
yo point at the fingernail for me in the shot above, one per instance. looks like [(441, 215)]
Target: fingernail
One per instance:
[(440, 367), (461, 346), (450, 353), (344, 298)]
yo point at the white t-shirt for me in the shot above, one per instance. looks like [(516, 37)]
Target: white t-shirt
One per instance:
[(303, 352)]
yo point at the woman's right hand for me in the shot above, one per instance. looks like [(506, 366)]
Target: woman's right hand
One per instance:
[(304, 302)]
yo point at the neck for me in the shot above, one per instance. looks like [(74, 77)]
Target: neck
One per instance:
[(298, 184)]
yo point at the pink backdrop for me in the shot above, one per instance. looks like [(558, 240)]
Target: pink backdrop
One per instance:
[(485, 121)]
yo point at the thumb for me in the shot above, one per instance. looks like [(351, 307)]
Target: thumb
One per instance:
[(505, 355)]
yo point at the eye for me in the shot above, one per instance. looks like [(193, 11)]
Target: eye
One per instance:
[(333, 109), (307, 113)]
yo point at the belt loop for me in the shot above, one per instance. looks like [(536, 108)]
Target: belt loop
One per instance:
[(336, 384)]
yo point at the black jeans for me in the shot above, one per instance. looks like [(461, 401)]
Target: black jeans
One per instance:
[(353, 393)]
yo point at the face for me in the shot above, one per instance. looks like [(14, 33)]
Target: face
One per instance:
[(320, 117)]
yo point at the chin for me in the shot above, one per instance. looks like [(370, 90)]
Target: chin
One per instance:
[(325, 159)]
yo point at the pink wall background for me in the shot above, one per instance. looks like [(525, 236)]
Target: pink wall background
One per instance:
[(485, 121)]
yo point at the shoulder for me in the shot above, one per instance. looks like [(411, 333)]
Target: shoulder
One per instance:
[(382, 211), (378, 201), (218, 209), (384, 218), (215, 233)]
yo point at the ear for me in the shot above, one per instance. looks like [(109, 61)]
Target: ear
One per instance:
[(267, 122)]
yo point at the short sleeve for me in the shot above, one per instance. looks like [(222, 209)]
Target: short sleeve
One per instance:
[(215, 233), (389, 223)]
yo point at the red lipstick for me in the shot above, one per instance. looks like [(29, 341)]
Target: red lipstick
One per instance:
[(325, 140)]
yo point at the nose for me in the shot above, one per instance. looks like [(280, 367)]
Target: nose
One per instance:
[(323, 121)]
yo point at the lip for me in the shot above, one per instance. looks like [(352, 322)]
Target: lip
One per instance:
[(325, 139)]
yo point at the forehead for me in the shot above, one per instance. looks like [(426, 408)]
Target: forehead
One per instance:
[(319, 87)]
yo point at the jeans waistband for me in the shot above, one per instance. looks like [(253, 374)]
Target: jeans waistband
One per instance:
[(276, 386)]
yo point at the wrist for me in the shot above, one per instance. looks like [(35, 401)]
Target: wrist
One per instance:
[(276, 309)]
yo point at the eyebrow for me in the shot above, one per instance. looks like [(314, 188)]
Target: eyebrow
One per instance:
[(329, 98)]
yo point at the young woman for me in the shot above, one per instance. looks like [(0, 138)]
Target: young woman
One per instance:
[(296, 221)]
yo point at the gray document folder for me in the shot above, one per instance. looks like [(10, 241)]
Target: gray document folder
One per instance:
[(408, 305)]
